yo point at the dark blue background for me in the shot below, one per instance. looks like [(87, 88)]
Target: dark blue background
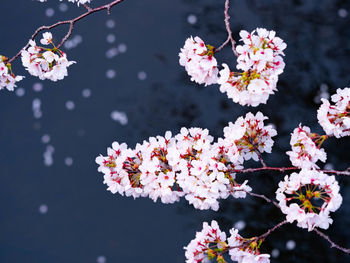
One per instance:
[(84, 221)]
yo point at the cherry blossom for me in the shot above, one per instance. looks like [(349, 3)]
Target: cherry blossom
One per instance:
[(210, 243), (7, 78), (245, 252), (335, 119), (308, 197), (250, 136), (202, 247), (188, 164), (45, 63), (199, 61), (306, 149), (260, 57)]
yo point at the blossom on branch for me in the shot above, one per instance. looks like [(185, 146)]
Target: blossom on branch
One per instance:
[(260, 57), (7, 78), (308, 197), (335, 119), (188, 164), (45, 63), (306, 149), (199, 61), (250, 136), (244, 251), (210, 243), (208, 239)]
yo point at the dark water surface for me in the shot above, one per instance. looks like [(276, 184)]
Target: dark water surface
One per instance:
[(84, 222)]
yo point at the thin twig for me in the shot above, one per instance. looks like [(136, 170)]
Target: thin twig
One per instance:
[(260, 158), (71, 23), (264, 197), (268, 232), (345, 250), (88, 8), (285, 169), (229, 32)]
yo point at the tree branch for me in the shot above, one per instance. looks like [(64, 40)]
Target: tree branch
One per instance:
[(71, 23), (285, 169), (229, 32), (345, 250), (263, 197)]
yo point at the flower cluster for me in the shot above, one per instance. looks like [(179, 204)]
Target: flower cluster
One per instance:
[(199, 61), (335, 119), (250, 136), (211, 243), (188, 164), (7, 78), (306, 149), (45, 63), (260, 57), (308, 197)]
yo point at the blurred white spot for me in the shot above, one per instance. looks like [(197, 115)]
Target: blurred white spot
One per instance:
[(45, 138), (192, 19), (77, 39), (86, 93), (63, 7), (70, 105), (120, 117), (73, 42), (240, 225), (37, 114), (49, 12), (68, 161), (275, 253), (110, 23), (112, 52), (68, 44), (36, 107), (322, 93), (342, 13), (110, 74), (122, 48), (37, 87), (142, 75), (48, 155), (101, 259), (290, 245), (50, 149), (43, 209), (110, 38), (328, 166), (20, 92)]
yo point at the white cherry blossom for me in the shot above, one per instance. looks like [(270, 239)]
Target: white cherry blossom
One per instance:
[(199, 61), (335, 119), (308, 197), (306, 149), (49, 64)]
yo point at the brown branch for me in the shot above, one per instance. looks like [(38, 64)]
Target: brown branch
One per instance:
[(71, 23), (88, 8), (345, 250), (229, 32), (264, 197), (260, 158), (268, 232), (285, 169)]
